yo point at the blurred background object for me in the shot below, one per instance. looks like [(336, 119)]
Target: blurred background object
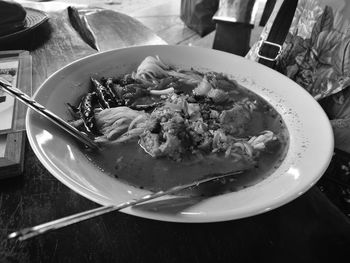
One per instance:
[(198, 15), (235, 21), (164, 18)]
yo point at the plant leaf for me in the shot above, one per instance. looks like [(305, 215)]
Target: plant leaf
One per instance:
[(346, 58), (323, 23), (326, 45), (299, 46), (341, 58)]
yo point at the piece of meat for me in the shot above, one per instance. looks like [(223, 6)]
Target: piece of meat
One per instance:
[(234, 120), (170, 146), (150, 143)]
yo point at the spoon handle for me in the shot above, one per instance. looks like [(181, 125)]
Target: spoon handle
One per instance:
[(18, 94), (30, 232)]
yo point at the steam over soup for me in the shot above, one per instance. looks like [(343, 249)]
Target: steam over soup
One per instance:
[(161, 126)]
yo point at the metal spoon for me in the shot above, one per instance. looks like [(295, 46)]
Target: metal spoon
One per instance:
[(18, 94), (30, 232)]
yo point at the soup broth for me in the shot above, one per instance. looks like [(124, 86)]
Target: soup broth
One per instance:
[(129, 163)]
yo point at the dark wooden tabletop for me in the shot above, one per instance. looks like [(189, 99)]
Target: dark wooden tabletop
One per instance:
[(308, 229)]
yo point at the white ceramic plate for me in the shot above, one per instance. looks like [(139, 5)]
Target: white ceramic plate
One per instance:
[(310, 150)]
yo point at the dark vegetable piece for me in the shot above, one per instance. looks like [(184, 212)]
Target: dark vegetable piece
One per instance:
[(105, 97), (86, 109), (125, 80), (163, 83), (112, 88), (129, 93), (74, 111), (134, 91), (109, 86)]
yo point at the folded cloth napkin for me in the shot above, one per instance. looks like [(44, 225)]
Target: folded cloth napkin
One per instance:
[(12, 17)]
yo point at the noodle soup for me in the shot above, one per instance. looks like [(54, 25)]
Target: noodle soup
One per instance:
[(160, 127)]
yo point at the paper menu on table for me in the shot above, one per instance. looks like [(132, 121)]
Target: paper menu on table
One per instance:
[(8, 71)]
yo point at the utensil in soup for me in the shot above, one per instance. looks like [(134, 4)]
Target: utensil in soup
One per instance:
[(18, 94), (30, 232)]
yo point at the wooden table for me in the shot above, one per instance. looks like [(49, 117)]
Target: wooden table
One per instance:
[(309, 229)]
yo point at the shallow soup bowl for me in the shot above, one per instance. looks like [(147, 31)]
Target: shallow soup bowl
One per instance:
[(308, 155)]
